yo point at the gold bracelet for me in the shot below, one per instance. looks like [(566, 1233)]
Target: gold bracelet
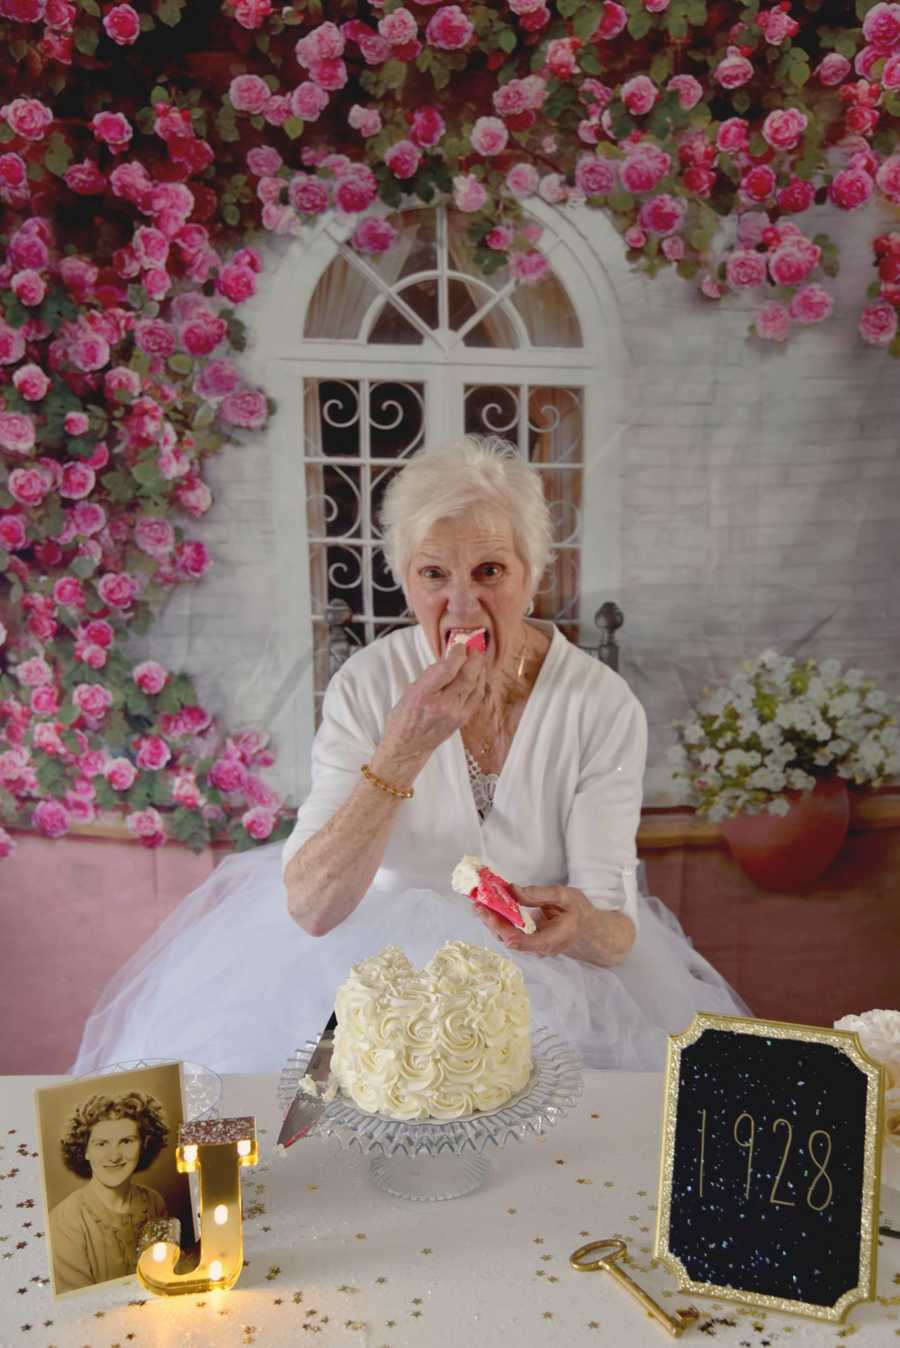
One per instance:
[(401, 793)]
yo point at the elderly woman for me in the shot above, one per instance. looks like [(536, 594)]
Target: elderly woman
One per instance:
[(528, 754), (94, 1233)]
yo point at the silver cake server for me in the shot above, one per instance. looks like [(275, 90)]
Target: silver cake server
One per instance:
[(305, 1109)]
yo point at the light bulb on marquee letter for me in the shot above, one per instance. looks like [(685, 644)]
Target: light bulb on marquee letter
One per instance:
[(214, 1150)]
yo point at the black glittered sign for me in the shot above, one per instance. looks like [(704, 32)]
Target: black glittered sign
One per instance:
[(769, 1175)]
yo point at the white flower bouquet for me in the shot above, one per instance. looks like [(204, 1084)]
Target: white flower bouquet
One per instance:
[(779, 725)]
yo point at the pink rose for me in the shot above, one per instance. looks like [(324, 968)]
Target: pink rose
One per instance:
[(117, 589), (330, 74), (449, 28), (403, 159), (662, 215), (89, 352), (398, 28), (185, 792), (489, 136), (758, 183), (811, 304), (237, 284), (154, 535), (878, 323), (148, 827), (832, 69), (427, 128), (308, 101), (120, 773), (27, 486), (121, 380), (258, 822), (798, 196), (202, 333), (688, 89), (77, 481), (92, 699), (324, 43), (882, 25), (13, 173), (887, 178), (783, 128), (500, 238), (639, 95), (521, 181), (468, 193), (85, 179), (75, 423), (673, 247), (851, 188), (34, 672), (122, 24), (890, 75), (644, 168), (263, 160), (51, 818), (530, 267), (249, 93), (154, 336), (561, 58), (308, 195), (193, 559), (28, 118), (131, 181), (152, 753), (594, 175), (356, 189), (12, 533), (792, 261), (734, 70), (612, 22), (12, 344), (228, 774), (246, 408), (29, 287), (745, 268), (193, 496), (113, 129), (44, 701), (68, 592), (16, 432), (373, 235), (150, 676), (88, 518), (367, 121), (217, 378), (552, 188), (776, 25)]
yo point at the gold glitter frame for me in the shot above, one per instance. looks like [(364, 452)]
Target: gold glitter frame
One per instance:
[(848, 1042)]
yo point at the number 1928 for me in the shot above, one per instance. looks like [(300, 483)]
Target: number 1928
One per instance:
[(818, 1144)]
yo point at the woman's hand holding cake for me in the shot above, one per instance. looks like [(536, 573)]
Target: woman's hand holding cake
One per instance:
[(567, 924)]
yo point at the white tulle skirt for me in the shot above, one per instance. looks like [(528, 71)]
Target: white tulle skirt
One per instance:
[(230, 981)]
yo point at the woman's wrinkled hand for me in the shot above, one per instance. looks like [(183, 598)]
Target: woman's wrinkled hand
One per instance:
[(439, 702), (567, 923)]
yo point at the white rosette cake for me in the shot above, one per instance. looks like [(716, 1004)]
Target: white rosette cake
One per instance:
[(450, 1040)]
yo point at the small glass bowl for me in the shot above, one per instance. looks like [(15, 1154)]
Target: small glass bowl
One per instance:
[(202, 1086)]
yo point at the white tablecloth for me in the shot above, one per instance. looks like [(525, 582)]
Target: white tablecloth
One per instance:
[(333, 1261)]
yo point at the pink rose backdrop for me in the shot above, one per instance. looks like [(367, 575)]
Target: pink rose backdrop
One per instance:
[(143, 148)]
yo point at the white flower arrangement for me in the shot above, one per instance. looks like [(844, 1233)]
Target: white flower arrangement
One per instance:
[(779, 725)]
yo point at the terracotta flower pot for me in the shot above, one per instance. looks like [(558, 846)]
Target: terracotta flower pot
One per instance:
[(790, 851)]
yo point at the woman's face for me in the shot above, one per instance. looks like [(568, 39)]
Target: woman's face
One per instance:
[(113, 1151), (466, 574)]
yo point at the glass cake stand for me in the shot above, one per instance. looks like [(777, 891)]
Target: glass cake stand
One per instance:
[(428, 1160)]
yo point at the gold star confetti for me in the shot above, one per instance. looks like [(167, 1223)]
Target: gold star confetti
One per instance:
[(595, 1116), (298, 1297), (380, 1280), (360, 1235), (354, 1324), (584, 1233), (426, 1250), (345, 1287), (593, 1324), (559, 1161), (552, 1278), (548, 1315), (608, 1184), (512, 1211), (273, 1272), (312, 1187), (539, 1273), (416, 1315), (584, 1181), (277, 1301), (390, 1324), (417, 1301), (538, 1240)]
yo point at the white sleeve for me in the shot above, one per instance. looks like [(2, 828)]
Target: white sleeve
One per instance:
[(606, 811), (346, 739)]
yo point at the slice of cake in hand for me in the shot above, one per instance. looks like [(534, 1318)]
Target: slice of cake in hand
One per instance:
[(479, 882), (473, 639)]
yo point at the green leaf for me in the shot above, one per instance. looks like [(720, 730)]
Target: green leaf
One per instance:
[(86, 40), (568, 7), (661, 66), (695, 12), (293, 127), (676, 24), (68, 713), (169, 12), (106, 797), (159, 94), (83, 567), (137, 703), (181, 363), (506, 40), (57, 155), (119, 486), (639, 24), (586, 21), (51, 776), (90, 7), (589, 61), (231, 215), (226, 123)]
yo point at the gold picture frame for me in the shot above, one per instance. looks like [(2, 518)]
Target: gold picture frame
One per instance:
[(849, 1044)]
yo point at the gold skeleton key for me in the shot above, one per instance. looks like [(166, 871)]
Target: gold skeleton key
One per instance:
[(676, 1324)]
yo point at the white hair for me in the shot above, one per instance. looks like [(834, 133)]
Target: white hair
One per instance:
[(477, 475)]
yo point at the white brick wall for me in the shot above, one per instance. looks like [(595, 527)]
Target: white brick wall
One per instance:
[(760, 506)]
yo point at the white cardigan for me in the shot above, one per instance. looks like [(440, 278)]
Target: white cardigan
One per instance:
[(567, 802)]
